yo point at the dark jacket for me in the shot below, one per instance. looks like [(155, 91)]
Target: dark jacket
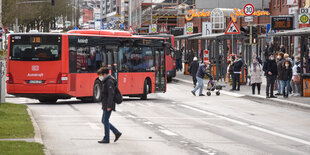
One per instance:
[(279, 66), (193, 68), (202, 71), (238, 66), (286, 73), (108, 85), (270, 66)]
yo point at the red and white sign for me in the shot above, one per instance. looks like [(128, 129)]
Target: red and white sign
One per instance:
[(131, 30), (248, 9), (163, 29), (232, 28), (304, 25), (205, 55)]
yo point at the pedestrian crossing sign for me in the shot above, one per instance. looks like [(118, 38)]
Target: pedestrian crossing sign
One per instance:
[(232, 28)]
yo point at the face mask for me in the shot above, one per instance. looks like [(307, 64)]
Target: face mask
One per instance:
[(286, 65), (279, 57), (272, 58), (101, 77)]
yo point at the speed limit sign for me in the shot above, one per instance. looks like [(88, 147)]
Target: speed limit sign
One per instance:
[(248, 9)]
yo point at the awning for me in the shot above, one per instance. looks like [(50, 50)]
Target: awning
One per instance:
[(187, 36), (217, 36), (296, 32)]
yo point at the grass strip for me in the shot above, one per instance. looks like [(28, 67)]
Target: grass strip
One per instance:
[(20, 148), (15, 121)]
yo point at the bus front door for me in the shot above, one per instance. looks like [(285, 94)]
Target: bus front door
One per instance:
[(160, 70)]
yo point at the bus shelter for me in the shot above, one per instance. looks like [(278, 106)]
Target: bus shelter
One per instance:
[(187, 47), (219, 52), (304, 35)]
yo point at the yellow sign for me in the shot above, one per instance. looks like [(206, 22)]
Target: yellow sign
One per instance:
[(237, 12), (194, 13)]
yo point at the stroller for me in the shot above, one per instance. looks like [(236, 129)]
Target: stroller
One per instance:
[(213, 86)]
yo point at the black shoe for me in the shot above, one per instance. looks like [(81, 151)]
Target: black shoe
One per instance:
[(278, 94), (104, 141), (193, 93), (202, 95), (273, 96), (267, 96), (232, 89), (117, 136)]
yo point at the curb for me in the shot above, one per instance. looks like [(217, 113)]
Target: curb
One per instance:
[(37, 132), (290, 103)]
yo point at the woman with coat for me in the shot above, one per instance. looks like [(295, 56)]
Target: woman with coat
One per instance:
[(256, 72), (286, 77)]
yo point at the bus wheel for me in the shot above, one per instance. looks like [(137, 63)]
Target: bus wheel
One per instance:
[(146, 90), (48, 100), (169, 79), (97, 91)]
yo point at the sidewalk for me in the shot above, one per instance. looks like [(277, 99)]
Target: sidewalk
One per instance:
[(246, 91)]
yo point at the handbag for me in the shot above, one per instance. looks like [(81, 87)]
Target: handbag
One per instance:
[(296, 78)]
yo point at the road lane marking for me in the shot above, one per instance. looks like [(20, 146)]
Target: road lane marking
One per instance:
[(250, 126), (93, 126), (209, 152), (167, 132)]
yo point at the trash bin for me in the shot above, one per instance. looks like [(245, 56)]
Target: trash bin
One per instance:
[(306, 84)]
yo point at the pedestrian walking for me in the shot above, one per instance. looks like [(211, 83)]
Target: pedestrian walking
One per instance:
[(296, 76), (200, 74), (279, 77), (193, 68), (108, 104), (286, 77), (256, 72), (236, 74), (271, 72)]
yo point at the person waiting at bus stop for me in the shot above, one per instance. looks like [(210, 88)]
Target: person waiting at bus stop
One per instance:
[(236, 74), (108, 104), (200, 74), (271, 72)]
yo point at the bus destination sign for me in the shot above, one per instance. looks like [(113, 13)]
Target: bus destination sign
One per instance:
[(282, 23)]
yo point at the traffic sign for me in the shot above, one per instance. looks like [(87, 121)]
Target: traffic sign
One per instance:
[(232, 28), (248, 9), (304, 18), (304, 11), (131, 30), (163, 29), (153, 28), (206, 28), (189, 28), (248, 19)]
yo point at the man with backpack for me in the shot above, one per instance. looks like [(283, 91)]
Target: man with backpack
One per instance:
[(108, 103)]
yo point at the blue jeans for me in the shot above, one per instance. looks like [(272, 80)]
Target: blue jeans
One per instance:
[(280, 88), (200, 85), (285, 84), (107, 125)]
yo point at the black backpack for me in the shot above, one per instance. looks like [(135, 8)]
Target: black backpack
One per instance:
[(118, 97)]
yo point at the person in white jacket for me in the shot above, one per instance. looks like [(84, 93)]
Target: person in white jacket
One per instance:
[(256, 72)]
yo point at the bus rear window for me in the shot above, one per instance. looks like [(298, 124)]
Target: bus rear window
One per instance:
[(35, 52)]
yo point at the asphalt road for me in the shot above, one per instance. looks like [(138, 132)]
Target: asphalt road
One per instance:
[(177, 123)]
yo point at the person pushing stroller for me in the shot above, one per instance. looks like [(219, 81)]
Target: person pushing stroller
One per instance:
[(200, 74)]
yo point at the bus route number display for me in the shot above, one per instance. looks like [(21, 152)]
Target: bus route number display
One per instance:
[(35, 39)]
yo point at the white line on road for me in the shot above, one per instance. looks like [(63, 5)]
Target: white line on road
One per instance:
[(93, 126), (209, 152), (167, 132), (250, 126)]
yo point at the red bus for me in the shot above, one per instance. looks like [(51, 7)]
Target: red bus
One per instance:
[(171, 60), (48, 66)]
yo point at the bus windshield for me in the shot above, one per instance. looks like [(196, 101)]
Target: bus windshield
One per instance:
[(25, 48)]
